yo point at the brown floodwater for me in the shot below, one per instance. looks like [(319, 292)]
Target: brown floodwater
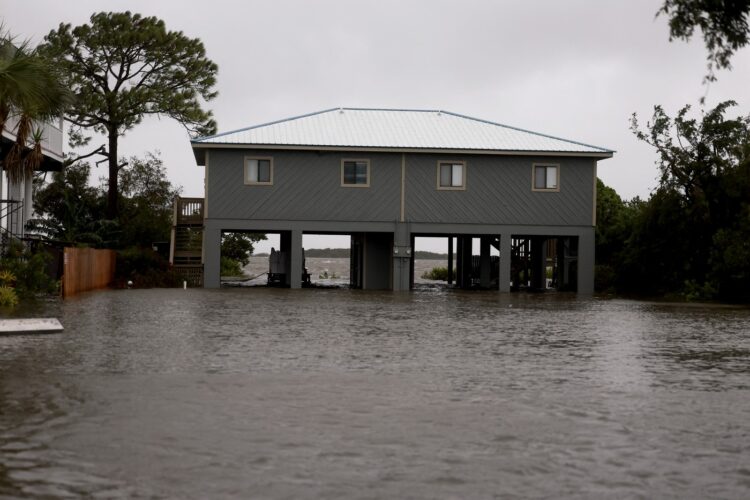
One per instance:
[(335, 393)]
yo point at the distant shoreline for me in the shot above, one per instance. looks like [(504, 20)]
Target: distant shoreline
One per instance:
[(343, 253)]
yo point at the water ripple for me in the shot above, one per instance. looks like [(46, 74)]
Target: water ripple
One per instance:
[(350, 394)]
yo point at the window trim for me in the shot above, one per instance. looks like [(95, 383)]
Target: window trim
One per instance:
[(464, 177), (533, 178), (248, 182), (346, 185)]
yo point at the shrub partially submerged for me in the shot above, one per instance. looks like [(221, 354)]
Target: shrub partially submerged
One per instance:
[(436, 273), (230, 267), (145, 268), (24, 275)]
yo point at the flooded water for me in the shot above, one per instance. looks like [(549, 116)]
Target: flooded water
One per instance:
[(330, 271), (273, 393)]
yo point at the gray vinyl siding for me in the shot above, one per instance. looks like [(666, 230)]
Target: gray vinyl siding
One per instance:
[(498, 191), (306, 186)]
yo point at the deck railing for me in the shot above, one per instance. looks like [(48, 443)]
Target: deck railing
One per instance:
[(188, 211)]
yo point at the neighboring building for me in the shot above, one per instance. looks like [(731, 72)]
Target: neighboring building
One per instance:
[(386, 176), (16, 205)]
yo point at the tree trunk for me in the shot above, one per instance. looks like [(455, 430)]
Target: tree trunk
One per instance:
[(112, 208)]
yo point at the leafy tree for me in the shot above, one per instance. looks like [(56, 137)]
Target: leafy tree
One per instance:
[(696, 156), (614, 220), (239, 246), (724, 24), (694, 231), (71, 210), (31, 91), (146, 202), (614, 225), (656, 258), (122, 67)]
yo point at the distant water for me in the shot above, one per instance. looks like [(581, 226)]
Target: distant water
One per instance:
[(332, 271), (274, 393)]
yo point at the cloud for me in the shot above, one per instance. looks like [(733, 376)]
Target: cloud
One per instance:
[(575, 69)]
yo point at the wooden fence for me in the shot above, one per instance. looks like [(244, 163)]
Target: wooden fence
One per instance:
[(87, 269)]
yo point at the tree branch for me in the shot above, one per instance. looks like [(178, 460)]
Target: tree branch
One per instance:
[(100, 150)]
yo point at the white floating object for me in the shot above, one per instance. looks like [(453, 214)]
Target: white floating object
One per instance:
[(34, 325)]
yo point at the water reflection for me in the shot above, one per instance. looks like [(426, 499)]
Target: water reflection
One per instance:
[(351, 394)]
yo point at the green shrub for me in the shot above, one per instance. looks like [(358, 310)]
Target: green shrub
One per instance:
[(436, 273), (230, 267), (29, 271), (8, 296), (695, 292), (604, 278), (145, 268)]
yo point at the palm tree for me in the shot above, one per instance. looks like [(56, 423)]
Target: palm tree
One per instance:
[(32, 92)]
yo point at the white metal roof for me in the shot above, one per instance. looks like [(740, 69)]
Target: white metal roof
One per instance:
[(397, 129)]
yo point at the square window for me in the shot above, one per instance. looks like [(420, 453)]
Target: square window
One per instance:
[(355, 173), (546, 178), (451, 175), (259, 171)]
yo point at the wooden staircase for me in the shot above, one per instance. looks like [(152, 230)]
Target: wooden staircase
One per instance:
[(186, 248)]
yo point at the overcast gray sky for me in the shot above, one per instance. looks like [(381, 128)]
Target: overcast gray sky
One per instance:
[(570, 68)]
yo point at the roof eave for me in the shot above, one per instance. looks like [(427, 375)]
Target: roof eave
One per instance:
[(198, 146)]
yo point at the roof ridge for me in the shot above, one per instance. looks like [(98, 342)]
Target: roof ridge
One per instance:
[(395, 109)]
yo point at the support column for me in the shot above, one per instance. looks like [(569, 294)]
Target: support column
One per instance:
[(295, 261), (356, 261), (484, 262), (412, 244), (466, 268), (402, 252), (459, 259), (14, 193), (538, 264), (28, 202), (211, 257), (285, 247), (586, 246), (450, 260), (562, 271), (505, 252)]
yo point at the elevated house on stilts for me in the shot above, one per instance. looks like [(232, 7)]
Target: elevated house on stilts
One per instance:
[(387, 176)]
